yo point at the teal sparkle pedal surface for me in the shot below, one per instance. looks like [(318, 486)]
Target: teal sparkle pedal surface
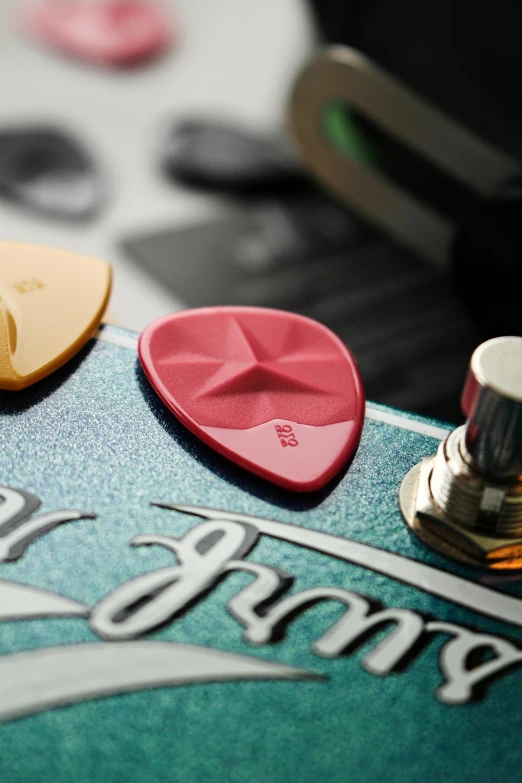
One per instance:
[(252, 635)]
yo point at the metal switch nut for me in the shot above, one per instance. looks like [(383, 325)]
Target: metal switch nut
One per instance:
[(466, 500)]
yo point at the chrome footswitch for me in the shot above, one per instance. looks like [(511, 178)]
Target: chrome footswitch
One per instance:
[(466, 500)]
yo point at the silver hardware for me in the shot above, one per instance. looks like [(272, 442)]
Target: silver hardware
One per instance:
[(466, 500)]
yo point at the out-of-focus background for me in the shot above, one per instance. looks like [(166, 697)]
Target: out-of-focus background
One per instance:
[(199, 196), (232, 58)]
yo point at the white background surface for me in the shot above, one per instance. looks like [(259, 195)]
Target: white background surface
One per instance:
[(235, 59)]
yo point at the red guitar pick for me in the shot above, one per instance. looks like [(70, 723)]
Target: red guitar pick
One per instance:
[(111, 32), (277, 393)]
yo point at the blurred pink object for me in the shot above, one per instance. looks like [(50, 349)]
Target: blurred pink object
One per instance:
[(109, 32)]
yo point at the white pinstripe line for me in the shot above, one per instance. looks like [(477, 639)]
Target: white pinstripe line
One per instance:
[(116, 339), (395, 419)]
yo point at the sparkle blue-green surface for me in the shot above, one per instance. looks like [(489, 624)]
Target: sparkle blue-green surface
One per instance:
[(94, 437)]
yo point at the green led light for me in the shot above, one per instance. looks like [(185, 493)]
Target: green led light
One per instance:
[(341, 129)]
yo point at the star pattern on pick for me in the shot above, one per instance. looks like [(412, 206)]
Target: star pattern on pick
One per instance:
[(244, 364), (239, 377)]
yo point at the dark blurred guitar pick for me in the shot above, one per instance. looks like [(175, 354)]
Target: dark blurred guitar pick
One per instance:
[(216, 156), (108, 32), (46, 171)]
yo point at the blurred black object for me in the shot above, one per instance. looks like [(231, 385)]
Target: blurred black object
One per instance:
[(410, 335), (336, 18), (463, 56), (487, 261), (46, 171), (466, 59), (217, 156)]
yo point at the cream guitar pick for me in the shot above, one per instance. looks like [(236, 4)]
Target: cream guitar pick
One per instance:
[(51, 303)]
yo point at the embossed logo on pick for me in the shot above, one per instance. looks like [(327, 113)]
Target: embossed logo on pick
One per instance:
[(277, 393), (112, 32), (51, 303)]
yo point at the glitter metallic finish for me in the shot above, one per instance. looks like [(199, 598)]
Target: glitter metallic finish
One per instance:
[(94, 438)]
